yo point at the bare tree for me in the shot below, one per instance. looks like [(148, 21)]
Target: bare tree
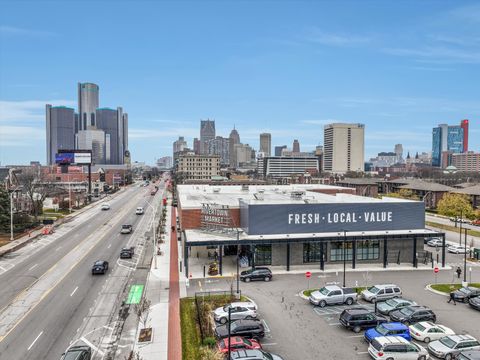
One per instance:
[(37, 187), (143, 311)]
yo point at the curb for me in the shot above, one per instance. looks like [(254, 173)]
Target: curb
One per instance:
[(300, 294), (429, 288)]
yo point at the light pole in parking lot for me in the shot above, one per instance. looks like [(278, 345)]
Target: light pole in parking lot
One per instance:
[(344, 257), (461, 220), (238, 253), (465, 258)]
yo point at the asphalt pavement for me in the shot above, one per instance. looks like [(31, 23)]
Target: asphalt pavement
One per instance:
[(54, 301)]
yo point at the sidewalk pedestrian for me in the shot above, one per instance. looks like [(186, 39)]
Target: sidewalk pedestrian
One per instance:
[(452, 297), (458, 271)]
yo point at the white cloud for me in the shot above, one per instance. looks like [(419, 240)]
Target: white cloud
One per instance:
[(13, 136), (164, 133), (27, 110), (319, 36), (13, 30), (322, 122)]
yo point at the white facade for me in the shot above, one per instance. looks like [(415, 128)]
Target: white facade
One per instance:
[(279, 167), (198, 167), (92, 140), (344, 146)]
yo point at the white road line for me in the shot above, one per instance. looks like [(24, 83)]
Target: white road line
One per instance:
[(1, 268), (362, 352), (33, 267), (263, 344), (355, 336), (335, 324), (58, 248), (92, 346), (109, 246), (34, 341), (74, 290)]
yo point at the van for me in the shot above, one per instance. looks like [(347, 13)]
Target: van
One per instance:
[(381, 292), (396, 348)]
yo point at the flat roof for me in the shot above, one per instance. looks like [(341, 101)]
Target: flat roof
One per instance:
[(192, 196), (201, 237)]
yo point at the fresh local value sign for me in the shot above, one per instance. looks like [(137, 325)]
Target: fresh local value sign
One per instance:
[(318, 218)]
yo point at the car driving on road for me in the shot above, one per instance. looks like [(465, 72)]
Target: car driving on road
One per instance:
[(139, 211), (100, 267), (127, 253), (126, 229), (80, 352), (105, 206)]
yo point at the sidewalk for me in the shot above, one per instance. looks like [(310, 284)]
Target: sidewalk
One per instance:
[(162, 290)]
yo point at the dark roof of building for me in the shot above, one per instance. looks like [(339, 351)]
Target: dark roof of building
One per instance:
[(471, 190), (360, 181), (465, 185)]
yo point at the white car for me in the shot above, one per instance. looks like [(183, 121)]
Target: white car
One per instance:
[(457, 249), (105, 206), (449, 347), (239, 311), (396, 348), (381, 292), (435, 242), (428, 331), (139, 210)]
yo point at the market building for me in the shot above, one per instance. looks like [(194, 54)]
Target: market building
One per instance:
[(312, 225)]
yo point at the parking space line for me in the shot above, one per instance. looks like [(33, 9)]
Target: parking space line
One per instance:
[(265, 326), (354, 336), (334, 324)]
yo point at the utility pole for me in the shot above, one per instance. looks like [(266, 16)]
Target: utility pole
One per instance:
[(465, 258)]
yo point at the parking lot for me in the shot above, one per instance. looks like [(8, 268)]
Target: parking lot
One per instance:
[(298, 330)]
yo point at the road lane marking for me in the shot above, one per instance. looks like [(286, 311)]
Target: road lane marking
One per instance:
[(58, 248), (109, 246), (73, 292), (33, 267), (92, 346), (34, 341)]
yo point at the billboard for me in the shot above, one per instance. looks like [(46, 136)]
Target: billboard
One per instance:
[(324, 218), (64, 158), (83, 158)]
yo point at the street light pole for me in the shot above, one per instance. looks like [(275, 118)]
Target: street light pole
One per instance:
[(344, 257), (11, 216), (461, 220), (229, 330), (238, 252)]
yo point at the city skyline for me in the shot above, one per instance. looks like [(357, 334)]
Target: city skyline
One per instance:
[(287, 80)]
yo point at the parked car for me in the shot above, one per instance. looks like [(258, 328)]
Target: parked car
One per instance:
[(257, 273), (427, 331), (333, 294), (469, 355), (435, 242), (476, 222), (388, 329), (396, 348), (475, 303), (413, 314), (457, 249), (100, 267), (386, 307), (252, 329), (80, 352), (139, 211), (464, 294), (239, 310), (237, 343), (105, 206), (359, 318), (381, 292), (450, 346), (126, 229), (127, 253), (253, 355)]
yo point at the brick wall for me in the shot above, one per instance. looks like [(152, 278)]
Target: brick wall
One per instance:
[(192, 218)]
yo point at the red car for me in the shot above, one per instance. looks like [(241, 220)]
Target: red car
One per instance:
[(237, 343), (476, 222)]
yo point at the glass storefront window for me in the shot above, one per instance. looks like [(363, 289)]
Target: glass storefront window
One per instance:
[(368, 250), (336, 250), (311, 252), (263, 255)]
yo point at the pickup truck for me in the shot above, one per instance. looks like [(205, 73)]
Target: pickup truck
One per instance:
[(126, 229), (127, 253), (333, 294)]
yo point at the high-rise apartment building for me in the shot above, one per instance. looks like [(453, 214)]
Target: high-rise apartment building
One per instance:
[(448, 138), (296, 146), (179, 145), (88, 103), (343, 147), (279, 149), (266, 143), (207, 132), (219, 146), (198, 167), (233, 139), (60, 130), (281, 167)]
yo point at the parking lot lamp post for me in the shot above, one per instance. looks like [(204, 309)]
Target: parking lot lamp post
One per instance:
[(461, 220), (465, 258), (11, 215), (344, 255), (238, 254)]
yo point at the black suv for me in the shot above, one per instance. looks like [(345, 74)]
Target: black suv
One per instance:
[(77, 353), (359, 318), (100, 267), (247, 354), (251, 329), (127, 253), (258, 273), (413, 314)]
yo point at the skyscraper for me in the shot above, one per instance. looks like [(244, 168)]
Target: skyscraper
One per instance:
[(87, 105), (234, 139), (344, 147), (113, 123), (266, 143), (207, 132), (448, 138), (179, 145), (296, 146), (196, 146), (219, 146), (60, 130), (278, 150)]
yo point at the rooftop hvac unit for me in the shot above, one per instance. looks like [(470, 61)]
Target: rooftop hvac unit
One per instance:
[(258, 196), (244, 187), (216, 190), (297, 195)]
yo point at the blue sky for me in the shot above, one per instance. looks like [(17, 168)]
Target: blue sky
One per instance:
[(399, 67)]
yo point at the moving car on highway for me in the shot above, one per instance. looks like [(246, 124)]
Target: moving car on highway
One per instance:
[(427, 331), (139, 211), (239, 310), (105, 206), (100, 267), (127, 253), (333, 294), (126, 229)]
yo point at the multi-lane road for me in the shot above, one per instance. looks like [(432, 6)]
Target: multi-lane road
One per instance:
[(48, 298)]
